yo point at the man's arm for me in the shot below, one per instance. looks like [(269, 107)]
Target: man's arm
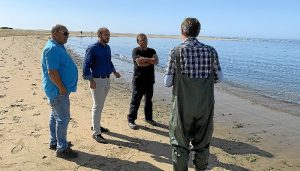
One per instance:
[(143, 61), (55, 78), (117, 74), (153, 60), (86, 66), (218, 73), (170, 70)]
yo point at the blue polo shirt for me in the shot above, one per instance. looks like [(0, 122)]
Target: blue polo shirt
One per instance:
[(55, 57), (97, 61)]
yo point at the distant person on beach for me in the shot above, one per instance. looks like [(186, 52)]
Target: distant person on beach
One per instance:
[(60, 76), (144, 59), (97, 67), (195, 68)]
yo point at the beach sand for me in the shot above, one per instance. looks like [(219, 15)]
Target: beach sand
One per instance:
[(247, 135)]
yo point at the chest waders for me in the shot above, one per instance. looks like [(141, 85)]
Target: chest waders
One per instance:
[(191, 121)]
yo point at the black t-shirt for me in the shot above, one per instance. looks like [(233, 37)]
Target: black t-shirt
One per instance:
[(143, 75)]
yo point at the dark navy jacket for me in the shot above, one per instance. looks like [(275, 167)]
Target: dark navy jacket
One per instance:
[(97, 61)]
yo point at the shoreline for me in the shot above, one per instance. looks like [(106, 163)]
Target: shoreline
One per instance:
[(242, 92), (26, 32), (246, 136), (260, 99)]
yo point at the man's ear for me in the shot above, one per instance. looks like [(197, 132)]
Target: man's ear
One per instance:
[(183, 32)]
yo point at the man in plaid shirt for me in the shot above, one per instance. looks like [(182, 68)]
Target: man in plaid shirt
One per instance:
[(195, 59), (193, 69)]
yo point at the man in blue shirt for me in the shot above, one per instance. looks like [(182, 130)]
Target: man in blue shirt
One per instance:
[(60, 76), (97, 67)]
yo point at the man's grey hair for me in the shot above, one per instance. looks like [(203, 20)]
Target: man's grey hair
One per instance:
[(190, 27), (100, 30), (57, 27)]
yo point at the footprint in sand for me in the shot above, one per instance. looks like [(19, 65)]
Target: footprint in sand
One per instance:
[(3, 111), (16, 149), (238, 125), (2, 118), (16, 119), (2, 96), (255, 139), (36, 114), (73, 123)]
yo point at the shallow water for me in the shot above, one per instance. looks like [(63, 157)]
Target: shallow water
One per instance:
[(267, 67)]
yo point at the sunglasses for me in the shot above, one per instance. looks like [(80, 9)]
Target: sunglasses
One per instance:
[(65, 33)]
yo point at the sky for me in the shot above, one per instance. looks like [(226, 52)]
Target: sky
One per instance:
[(279, 19)]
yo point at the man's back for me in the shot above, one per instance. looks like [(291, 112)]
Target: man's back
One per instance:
[(195, 59)]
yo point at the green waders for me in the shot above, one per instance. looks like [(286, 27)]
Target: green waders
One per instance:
[(191, 119)]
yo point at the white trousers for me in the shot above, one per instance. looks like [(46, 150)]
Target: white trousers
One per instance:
[(99, 94)]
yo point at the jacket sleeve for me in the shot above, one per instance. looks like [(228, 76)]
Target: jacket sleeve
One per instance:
[(87, 63)]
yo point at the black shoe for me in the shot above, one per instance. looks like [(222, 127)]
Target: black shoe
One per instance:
[(132, 125), (99, 139), (67, 153), (151, 122), (53, 147), (102, 129)]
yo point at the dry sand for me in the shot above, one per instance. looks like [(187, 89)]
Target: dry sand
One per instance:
[(247, 136)]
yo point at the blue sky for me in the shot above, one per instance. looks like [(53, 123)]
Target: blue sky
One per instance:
[(225, 18)]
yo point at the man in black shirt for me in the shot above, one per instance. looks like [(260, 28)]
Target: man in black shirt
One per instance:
[(144, 59)]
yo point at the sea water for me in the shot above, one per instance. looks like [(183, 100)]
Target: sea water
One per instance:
[(269, 67)]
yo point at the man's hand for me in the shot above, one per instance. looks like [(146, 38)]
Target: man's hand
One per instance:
[(117, 75), (92, 84), (62, 91), (55, 78), (142, 61)]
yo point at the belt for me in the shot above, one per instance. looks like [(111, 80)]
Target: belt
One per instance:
[(101, 76)]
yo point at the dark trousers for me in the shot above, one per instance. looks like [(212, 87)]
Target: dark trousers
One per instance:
[(138, 91)]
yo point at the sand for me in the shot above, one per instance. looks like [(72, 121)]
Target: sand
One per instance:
[(247, 136)]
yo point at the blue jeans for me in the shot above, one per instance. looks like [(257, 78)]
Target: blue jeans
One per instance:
[(59, 120)]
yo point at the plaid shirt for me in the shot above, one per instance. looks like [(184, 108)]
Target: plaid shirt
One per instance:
[(195, 60)]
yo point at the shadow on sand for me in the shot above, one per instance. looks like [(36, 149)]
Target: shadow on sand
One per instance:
[(161, 152), (97, 162), (230, 147)]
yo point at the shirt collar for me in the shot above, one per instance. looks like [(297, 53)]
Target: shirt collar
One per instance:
[(55, 42), (99, 44), (190, 41)]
